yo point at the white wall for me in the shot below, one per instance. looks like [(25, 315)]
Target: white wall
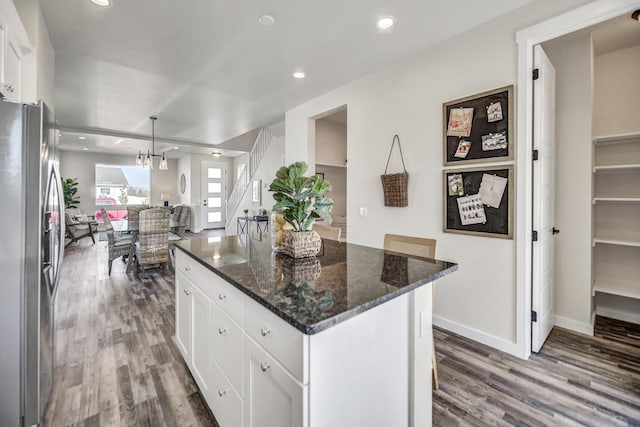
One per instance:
[(480, 299), (38, 67), (572, 57), (271, 162), (331, 142), (617, 92), (81, 165)]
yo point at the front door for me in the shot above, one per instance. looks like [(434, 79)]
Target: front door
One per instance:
[(544, 114), (213, 194)]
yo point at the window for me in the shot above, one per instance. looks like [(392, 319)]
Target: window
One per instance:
[(122, 185)]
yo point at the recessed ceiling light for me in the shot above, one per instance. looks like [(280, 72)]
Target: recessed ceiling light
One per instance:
[(82, 137), (299, 75), (266, 20), (101, 2), (85, 149), (386, 22), (176, 148)]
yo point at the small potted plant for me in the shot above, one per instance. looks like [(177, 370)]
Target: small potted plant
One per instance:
[(301, 200), (246, 212)]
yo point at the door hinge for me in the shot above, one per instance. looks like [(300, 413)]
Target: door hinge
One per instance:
[(535, 154), (534, 316), (534, 236), (536, 74)]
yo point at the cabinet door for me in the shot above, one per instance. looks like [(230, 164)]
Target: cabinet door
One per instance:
[(12, 71), (183, 317), (272, 398), (200, 338)]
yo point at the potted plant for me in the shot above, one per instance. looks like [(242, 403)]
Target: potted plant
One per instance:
[(69, 190), (301, 200)]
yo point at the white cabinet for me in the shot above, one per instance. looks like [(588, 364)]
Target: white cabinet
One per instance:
[(256, 370), (11, 83), (616, 205), (200, 338), (183, 317), (272, 397)]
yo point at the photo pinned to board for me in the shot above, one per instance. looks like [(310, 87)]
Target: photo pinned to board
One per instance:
[(460, 120), (491, 189), (494, 141), (463, 148), (471, 210), (456, 186), (494, 112)]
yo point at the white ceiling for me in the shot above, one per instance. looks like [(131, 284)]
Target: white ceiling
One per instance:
[(211, 72)]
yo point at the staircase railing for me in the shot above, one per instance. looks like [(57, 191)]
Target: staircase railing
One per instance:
[(242, 183)]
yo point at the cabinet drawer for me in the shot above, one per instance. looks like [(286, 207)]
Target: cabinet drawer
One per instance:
[(280, 339), (195, 272), (228, 298), (223, 400), (226, 346)]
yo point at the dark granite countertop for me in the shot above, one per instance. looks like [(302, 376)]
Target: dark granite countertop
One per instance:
[(313, 294)]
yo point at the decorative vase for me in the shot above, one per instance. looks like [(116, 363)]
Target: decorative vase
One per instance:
[(299, 270), (300, 244)]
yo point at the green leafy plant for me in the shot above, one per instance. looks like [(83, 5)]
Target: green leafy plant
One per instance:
[(301, 198), (69, 190)]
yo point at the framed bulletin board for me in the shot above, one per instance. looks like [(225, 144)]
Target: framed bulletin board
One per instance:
[(479, 201), (479, 128)]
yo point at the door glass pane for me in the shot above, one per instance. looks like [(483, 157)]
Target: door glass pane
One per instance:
[(215, 187), (214, 172), (215, 202), (214, 216)]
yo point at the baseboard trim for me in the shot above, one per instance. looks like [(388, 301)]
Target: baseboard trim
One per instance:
[(479, 336), (573, 325), (618, 314)]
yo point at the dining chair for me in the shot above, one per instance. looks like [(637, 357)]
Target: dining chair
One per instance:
[(76, 230), (119, 246), (133, 215), (181, 217), (421, 247), (152, 247), (327, 232)]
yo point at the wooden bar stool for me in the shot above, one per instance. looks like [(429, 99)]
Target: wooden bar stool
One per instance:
[(419, 247)]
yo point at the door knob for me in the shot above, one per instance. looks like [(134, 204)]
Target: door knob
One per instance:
[(204, 202), (555, 230), (264, 366)]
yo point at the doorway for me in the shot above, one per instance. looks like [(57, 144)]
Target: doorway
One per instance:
[(568, 23), (331, 162), (213, 193)]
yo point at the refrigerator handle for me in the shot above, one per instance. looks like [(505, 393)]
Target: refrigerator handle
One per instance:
[(61, 229)]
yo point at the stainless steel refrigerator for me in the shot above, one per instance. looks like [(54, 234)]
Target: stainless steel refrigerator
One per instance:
[(31, 249)]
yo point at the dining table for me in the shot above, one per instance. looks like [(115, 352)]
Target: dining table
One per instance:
[(132, 227)]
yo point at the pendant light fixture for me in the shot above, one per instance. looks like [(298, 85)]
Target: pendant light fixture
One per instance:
[(148, 159)]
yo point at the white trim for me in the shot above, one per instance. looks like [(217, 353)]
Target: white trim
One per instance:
[(625, 316), (477, 335), (577, 19), (573, 325)]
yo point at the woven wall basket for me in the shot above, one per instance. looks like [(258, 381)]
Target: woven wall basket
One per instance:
[(394, 185), (300, 244)]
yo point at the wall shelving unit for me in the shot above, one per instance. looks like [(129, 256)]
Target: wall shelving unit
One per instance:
[(616, 213)]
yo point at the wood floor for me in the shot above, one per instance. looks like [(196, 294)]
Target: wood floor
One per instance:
[(116, 363)]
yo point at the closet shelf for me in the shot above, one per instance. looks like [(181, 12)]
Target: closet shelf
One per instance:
[(614, 199), (331, 165), (617, 168), (628, 290), (616, 241), (623, 138)]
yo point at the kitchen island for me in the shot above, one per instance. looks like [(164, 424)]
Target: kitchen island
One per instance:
[(341, 339)]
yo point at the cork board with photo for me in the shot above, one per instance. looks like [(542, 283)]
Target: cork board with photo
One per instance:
[(479, 128)]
